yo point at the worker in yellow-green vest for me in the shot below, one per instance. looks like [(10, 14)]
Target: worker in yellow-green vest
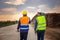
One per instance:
[(40, 25), (23, 25)]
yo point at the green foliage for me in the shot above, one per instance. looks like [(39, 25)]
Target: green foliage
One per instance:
[(7, 23)]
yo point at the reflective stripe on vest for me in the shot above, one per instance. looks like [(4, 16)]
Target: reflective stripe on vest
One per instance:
[(41, 23), (24, 28)]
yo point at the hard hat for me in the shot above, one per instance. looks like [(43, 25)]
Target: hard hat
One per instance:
[(24, 12)]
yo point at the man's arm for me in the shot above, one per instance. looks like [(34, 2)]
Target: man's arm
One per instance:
[(35, 25), (18, 26), (29, 21)]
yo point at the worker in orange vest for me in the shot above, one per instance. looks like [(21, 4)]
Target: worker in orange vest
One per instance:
[(23, 25)]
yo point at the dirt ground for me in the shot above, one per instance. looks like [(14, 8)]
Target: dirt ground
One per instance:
[(10, 33)]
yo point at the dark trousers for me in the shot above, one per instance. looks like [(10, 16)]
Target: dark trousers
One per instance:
[(23, 35), (40, 35)]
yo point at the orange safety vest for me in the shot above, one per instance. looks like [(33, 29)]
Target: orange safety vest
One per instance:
[(24, 20)]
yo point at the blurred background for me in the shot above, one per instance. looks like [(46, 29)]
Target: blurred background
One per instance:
[(11, 11)]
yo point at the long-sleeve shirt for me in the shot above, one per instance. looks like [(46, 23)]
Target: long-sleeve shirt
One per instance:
[(18, 24)]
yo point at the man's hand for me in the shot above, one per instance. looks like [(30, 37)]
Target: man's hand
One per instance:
[(35, 31), (17, 30)]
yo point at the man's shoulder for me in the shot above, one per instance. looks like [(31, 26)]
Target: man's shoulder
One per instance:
[(43, 14)]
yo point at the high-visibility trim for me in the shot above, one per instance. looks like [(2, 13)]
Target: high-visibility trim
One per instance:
[(24, 28), (42, 23)]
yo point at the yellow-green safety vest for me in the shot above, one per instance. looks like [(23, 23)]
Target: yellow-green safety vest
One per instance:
[(41, 20)]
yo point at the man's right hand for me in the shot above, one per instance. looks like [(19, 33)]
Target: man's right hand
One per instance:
[(17, 30)]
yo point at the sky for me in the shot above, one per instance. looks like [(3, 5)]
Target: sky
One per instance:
[(12, 9)]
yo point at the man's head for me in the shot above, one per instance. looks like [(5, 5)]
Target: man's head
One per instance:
[(24, 13)]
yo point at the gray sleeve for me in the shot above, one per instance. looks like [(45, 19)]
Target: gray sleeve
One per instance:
[(35, 25)]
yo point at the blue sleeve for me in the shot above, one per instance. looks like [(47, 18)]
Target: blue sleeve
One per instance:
[(18, 25), (35, 24)]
